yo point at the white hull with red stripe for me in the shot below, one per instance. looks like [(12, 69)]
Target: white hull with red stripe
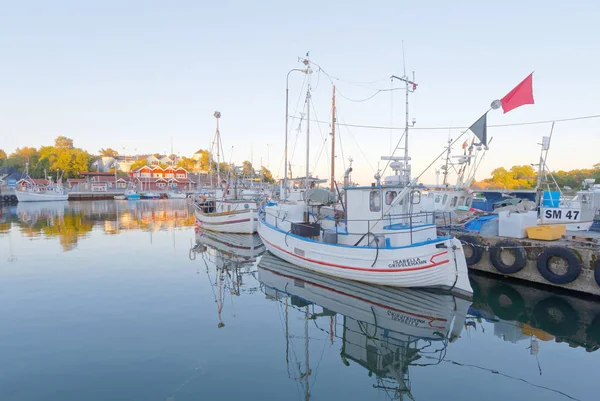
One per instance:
[(239, 222), (227, 216), (436, 263)]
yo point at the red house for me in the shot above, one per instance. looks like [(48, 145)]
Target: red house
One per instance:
[(156, 178)]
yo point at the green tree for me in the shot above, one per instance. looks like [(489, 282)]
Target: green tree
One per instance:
[(21, 156), (109, 152), (2, 155)]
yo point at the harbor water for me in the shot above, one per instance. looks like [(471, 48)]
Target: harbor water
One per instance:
[(124, 300)]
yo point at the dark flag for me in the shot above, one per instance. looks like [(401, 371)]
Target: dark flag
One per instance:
[(479, 128)]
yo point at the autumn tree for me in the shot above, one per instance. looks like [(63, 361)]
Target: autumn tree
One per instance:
[(187, 163), (267, 175), (62, 142), (109, 152), (247, 168), (138, 163), (21, 156), (2, 155)]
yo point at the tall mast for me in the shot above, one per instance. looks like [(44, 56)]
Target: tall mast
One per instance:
[(411, 86), (218, 143), (332, 185), (306, 185)]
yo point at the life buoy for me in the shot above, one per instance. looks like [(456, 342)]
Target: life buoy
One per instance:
[(517, 251), (597, 270), (506, 302), (556, 316), (573, 265), (476, 249)]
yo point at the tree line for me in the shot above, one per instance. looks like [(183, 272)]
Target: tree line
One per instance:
[(525, 177), (65, 157)]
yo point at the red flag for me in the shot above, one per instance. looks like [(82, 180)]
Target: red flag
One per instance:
[(464, 146), (520, 95)]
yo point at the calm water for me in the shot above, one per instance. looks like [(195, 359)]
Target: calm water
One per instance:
[(124, 301)]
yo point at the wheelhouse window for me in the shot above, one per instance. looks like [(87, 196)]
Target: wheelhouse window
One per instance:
[(438, 198), (445, 199), (390, 196), (461, 201), (375, 201), (468, 202), (453, 202), (415, 197)]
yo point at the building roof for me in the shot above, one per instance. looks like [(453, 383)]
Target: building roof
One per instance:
[(95, 174)]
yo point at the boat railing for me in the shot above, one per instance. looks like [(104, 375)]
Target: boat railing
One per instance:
[(390, 225)]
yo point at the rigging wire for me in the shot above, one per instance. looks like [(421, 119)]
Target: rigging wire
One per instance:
[(354, 139), (465, 127)]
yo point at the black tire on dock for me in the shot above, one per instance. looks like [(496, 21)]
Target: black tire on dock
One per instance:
[(506, 302), (13, 198), (476, 247), (573, 265), (597, 271), (6, 198), (556, 316), (517, 251)]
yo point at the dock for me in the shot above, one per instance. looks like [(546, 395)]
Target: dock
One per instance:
[(573, 264)]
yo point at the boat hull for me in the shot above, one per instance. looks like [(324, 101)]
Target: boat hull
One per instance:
[(241, 222), (133, 197), (24, 196), (438, 263), (176, 196)]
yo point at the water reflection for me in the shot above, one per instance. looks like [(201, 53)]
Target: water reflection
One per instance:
[(72, 221), (384, 330), (522, 313), (227, 259)]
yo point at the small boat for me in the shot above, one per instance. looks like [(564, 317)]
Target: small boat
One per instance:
[(176, 195), (130, 194), (31, 191), (149, 195), (120, 197)]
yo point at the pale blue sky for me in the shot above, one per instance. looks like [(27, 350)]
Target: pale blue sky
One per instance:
[(134, 73)]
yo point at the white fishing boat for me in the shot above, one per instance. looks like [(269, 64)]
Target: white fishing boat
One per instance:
[(31, 191), (386, 234), (176, 195), (225, 212)]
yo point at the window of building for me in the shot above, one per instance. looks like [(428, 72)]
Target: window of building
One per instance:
[(121, 185), (157, 175), (453, 202), (146, 175), (169, 175), (180, 175), (390, 196), (375, 201), (160, 185)]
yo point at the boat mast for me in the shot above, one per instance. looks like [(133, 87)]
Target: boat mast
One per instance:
[(217, 115), (542, 167), (332, 185), (306, 184), (411, 86)]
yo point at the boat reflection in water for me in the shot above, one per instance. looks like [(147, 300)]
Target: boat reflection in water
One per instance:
[(227, 258), (383, 329)]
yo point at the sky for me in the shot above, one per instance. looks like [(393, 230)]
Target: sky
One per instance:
[(131, 75)]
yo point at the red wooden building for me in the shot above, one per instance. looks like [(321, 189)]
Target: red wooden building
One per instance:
[(156, 178)]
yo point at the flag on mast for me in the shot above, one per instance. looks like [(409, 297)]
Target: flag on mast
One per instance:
[(465, 144), (479, 128), (520, 95)]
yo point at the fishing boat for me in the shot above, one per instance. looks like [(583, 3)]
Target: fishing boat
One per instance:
[(149, 195), (225, 212), (130, 194), (48, 191), (119, 197), (386, 234), (381, 329)]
